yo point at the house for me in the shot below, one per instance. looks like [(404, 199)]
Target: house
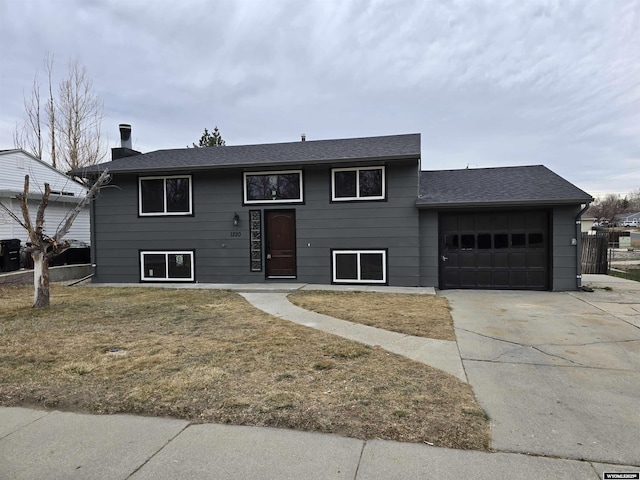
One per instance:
[(628, 219), (65, 195), (587, 222), (345, 211)]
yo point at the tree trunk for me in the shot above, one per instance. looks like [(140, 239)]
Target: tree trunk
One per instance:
[(40, 279), (44, 247)]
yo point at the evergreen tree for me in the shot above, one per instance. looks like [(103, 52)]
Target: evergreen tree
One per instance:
[(213, 139)]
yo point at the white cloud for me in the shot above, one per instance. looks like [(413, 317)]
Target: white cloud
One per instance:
[(485, 82)]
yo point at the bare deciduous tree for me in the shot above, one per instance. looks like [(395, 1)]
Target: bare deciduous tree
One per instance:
[(28, 135), (609, 207), (634, 200), (68, 135), (78, 121), (43, 247)]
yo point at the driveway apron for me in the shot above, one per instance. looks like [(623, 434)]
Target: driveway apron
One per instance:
[(558, 372)]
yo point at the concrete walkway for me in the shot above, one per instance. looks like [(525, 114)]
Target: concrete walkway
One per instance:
[(440, 354), (46, 445)]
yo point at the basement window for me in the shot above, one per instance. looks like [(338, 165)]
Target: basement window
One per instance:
[(359, 266), (174, 266)]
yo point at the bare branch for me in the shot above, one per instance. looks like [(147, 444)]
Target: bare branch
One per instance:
[(41, 208), (24, 198), (28, 134), (13, 216), (51, 110), (102, 180)]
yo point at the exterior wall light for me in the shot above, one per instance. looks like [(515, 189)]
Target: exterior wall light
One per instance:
[(236, 219)]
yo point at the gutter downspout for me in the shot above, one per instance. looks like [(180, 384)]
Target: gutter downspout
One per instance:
[(579, 246), (92, 236)]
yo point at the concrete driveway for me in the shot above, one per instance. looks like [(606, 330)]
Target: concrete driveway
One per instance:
[(558, 372)]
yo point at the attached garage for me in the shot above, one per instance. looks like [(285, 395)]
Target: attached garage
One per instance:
[(510, 228), (497, 250)]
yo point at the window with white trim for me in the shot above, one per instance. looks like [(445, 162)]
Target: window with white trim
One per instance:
[(358, 183), (273, 187), (165, 195), (359, 266), (166, 266)]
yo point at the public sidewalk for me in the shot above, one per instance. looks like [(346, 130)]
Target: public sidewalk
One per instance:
[(39, 445)]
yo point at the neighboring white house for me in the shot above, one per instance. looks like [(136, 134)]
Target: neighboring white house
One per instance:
[(586, 224), (65, 194)]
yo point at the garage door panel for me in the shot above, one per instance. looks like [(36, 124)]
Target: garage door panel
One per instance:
[(467, 278), (500, 279), (451, 278), (518, 260), (467, 259), (538, 279), (484, 259), (483, 222), (518, 278), (449, 223), (484, 278), (536, 221), (501, 260), (516, 222), (537, 257), (508, 250)]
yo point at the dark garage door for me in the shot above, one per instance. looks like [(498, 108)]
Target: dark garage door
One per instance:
[(508, 250)]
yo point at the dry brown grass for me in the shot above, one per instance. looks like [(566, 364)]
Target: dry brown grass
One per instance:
[(209, 356), (419, 315)]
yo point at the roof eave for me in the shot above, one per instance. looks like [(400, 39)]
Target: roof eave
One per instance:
[(54, 197), (252, 165), (425, 205)]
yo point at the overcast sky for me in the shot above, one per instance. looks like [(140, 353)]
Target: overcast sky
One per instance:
[(486, 83)]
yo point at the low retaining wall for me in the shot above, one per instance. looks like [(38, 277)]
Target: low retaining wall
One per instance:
[(56, 274)]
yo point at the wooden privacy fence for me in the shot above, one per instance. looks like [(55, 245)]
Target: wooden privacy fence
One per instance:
[(594, 252)]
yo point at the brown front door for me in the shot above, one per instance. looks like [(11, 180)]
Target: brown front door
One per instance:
[(280, 228)]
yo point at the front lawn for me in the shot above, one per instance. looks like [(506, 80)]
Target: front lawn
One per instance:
[(209, 356), (418, 315)]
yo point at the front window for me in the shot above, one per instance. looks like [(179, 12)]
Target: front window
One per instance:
[(165, 195), (273, 187), (166, 266), (367, 183), (359, 266)]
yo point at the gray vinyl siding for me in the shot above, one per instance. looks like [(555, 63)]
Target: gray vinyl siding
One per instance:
[(566, 258), (429, 248), (220, 258)]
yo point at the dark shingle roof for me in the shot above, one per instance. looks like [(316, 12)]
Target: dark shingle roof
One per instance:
[(503, 186), (267, 155)]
